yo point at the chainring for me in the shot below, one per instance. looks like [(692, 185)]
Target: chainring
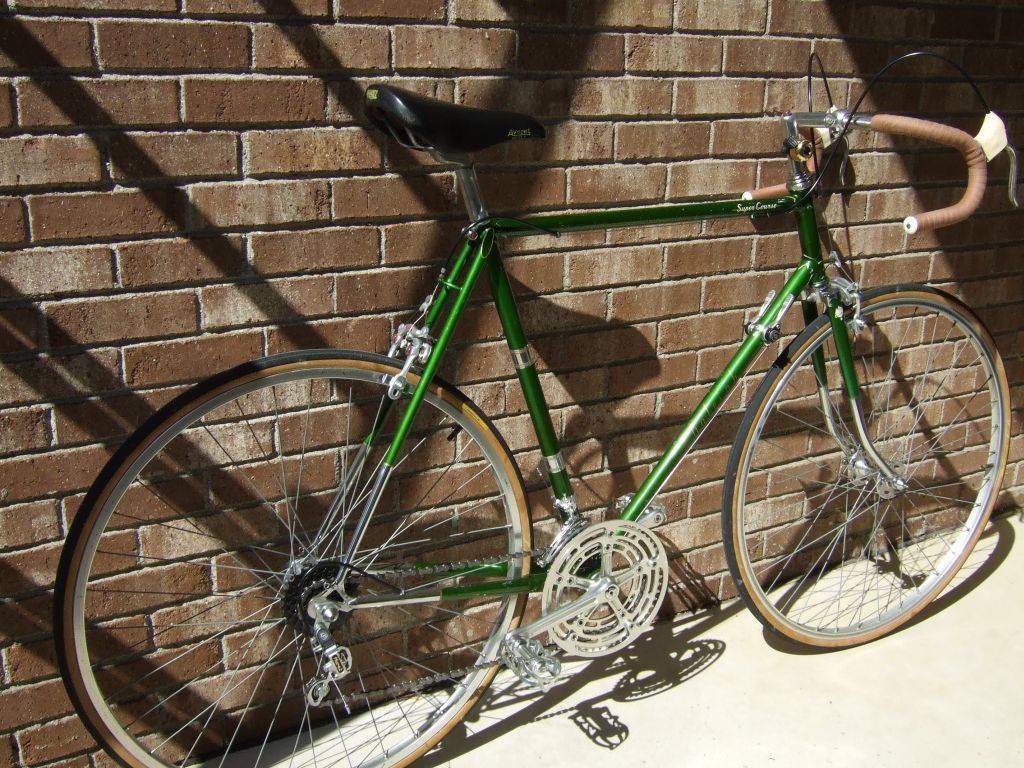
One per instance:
[(633, 560)]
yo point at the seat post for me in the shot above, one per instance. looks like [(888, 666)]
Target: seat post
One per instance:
[(470, 189)]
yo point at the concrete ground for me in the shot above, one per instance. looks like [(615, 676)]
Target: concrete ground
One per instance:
[(713, 690)]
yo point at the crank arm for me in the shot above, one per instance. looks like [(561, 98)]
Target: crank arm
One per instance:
[(593, 596)]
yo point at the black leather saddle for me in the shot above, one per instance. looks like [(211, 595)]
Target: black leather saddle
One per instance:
[(421, 122)]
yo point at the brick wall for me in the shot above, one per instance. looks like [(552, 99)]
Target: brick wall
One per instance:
[(187, 185)]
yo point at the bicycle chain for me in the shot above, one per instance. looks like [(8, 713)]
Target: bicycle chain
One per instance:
[(433, 570), (439, 677)]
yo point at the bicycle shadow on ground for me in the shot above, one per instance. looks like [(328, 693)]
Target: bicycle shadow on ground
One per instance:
[(667, 656), (989, 554)]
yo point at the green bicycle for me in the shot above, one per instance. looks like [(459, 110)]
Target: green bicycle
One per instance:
[(324, 557)]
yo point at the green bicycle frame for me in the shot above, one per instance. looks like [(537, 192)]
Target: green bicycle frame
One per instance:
[(477, 252)]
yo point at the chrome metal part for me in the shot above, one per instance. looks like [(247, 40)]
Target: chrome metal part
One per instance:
[(530, 661), (893, 481), (522, 358), (654, 515), (415, 343), (773, 332), (573, 523), (471, 195), (603, 589), (555, 463), (335, 662), (376, 490)]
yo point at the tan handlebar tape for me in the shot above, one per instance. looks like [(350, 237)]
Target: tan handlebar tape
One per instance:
[(967, 145)]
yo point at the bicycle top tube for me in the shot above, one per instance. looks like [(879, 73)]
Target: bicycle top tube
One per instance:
[(582, 221)]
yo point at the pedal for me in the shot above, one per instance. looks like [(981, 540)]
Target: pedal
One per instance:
[(654, 515), (530, 661)]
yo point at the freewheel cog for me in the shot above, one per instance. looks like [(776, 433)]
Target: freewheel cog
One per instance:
[(631, 563)]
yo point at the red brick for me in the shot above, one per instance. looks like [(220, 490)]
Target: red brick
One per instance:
[(45, 474), (259, 203), (303, 9), (171, 361), (540, 98), (166, 6), (138, 46), (655, 301), (54, 740), (387, 196), (58, 377), (310, 150), (617, 184), (711, 96), (90, 321), (638, 13), (387, 9), (253, 100), (27, 44), (97, 102), (106, 214), (706, 178), (6, 104), (821, 18), (314, 47), (383, 289), (315, 250), (673, 54), (12, 220), (173, 155), (263, 303), (609, 345), (518, 191), (700, 331), (964, 23), (537, 11), (446, 48), (566, 143), (159, 262), (614, 266), (662, 140), (24, 430), (370, 334), (722, 15), (419, 241), (746, 138), (560, 52), (1012, 28), (49, 160), (613, 96), (19, 330), (41, 272), (27, 524), (728, 291), (747, 55), (663, 372)]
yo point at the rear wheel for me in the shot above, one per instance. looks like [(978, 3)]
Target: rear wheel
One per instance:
[(825, 547), (183, 627)]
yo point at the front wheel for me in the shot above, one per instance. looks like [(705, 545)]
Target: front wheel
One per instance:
[(826, 547), (183, 621)]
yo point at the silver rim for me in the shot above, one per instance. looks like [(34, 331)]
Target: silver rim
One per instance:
[(830, 550), (187, 620)]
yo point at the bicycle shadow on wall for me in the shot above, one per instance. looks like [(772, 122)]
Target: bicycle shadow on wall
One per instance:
[(61, 379)]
